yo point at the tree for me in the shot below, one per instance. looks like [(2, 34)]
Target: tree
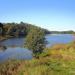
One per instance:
[(1, 29), (35, 41)]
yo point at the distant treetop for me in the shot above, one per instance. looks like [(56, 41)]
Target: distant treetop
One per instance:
[(1, 25)]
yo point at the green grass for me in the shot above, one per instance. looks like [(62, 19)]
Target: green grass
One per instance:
[(57, 60)]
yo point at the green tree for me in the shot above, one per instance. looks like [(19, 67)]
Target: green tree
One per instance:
[(35, 41), (1, 29)]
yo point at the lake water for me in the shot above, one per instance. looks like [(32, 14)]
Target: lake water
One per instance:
[(15, 48), (59, 39), (15, 53)]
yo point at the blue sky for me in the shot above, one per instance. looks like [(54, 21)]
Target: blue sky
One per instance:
[(49, 14)]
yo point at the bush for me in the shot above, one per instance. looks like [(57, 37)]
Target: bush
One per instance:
[(35, 41)]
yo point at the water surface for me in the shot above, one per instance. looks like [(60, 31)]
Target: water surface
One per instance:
[(59, 39), (15, 51)]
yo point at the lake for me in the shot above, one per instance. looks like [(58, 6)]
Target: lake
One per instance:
[(15, 48)]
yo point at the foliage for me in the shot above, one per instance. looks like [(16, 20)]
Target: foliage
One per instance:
[(56, 60), (1, 29), (18, 29), (35, 41), (63, 32)]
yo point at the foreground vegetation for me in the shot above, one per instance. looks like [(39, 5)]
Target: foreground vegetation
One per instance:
[(36, 41), (57, 60)]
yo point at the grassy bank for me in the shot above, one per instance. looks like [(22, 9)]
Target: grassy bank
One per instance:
[(57, 60)]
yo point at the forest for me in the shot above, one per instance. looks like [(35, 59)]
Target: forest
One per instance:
[(22, 29), (12, 30), (58, 59)]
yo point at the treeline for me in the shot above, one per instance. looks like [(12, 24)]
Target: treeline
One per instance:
[(62, 32), (18, 29), (22, 29)]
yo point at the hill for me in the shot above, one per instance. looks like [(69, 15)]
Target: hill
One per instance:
[(17, 29)]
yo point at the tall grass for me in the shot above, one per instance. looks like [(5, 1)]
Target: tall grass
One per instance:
[(56, 60)]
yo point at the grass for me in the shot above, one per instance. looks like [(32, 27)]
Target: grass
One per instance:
[(57, 60)]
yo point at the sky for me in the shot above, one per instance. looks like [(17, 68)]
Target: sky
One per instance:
[(49, 14)]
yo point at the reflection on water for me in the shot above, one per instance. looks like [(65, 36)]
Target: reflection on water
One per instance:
[(52, 39), (3, 48), (15, 51), (13, 42)]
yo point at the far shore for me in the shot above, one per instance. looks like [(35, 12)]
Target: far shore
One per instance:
[(2, 38)]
